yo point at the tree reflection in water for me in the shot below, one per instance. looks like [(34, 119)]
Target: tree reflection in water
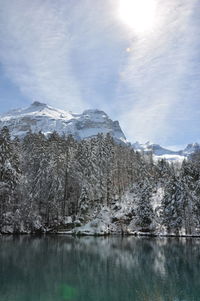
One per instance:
[(59, 268)]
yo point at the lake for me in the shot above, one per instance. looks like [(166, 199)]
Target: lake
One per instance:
[(63, 268)]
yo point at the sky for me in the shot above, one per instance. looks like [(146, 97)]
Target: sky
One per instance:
[(138, 60)]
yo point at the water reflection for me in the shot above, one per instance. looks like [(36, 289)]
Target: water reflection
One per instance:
[(99, 269)]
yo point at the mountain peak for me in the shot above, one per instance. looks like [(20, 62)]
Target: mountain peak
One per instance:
[(94, 112), (191, 148), (41, 117), (38, 104)]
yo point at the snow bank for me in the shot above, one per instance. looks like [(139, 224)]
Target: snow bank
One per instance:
[(95, 227)]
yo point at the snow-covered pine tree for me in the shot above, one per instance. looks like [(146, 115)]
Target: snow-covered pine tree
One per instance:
[(109, 157), (190, 175), (36, 171), (144, 211), (83, 202), (163, 170), (85, 167), (172, 205), (70, 198), (9, 174), (101, 167)]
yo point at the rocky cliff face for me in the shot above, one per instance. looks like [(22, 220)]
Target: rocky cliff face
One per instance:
[(191, 148), (44, 118), (41, 117)]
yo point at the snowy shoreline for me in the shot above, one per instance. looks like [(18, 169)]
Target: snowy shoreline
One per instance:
[(134, 234), (82, 234)]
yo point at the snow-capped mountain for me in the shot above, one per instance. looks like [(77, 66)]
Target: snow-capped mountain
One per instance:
[(160, 152), (191, 148), (41, 117), (156, 149)]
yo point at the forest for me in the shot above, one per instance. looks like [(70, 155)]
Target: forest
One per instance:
[(45, 181)]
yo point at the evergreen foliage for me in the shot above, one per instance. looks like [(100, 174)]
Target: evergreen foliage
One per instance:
[(46, 180)]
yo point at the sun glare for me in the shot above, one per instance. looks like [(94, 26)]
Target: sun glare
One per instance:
[(138, 14)]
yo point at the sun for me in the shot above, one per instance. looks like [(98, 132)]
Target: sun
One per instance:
[(140, 15)]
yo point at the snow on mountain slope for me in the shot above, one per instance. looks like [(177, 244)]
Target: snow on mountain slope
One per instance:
[(156, 149), (160, 152), (191, 148), (171, 158), (41, 117)]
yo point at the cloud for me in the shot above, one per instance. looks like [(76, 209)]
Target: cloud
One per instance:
[(156, 75), (35, 51), (60, 52), (79, 54)]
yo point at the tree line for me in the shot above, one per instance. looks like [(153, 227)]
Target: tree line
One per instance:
[(46, 179)]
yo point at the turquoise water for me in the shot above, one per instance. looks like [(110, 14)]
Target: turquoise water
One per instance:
[(60, 268)]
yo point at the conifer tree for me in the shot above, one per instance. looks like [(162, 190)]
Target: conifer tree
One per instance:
[(9, 173), (144, 212)]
